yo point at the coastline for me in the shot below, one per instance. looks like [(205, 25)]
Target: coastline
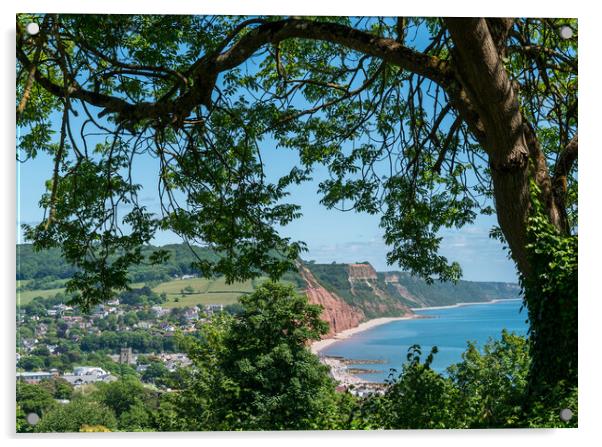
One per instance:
[(319, 345), (465, 304), (338, 369)]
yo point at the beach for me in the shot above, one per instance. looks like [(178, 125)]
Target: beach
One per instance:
[(317, 346), (451, 306)]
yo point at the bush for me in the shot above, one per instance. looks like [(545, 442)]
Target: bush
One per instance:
[(75, 415)]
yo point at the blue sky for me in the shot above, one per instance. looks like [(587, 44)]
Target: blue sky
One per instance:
[(329, 234)]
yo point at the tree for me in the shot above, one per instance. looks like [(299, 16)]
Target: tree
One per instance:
[(22, 426), (130, 319), (31, 363), (426, 131), (255, 372), (59, 388), (136, 418), (75, 415), (34, 399), (493, 385), (418, 398), (156, 372), (120, 396)]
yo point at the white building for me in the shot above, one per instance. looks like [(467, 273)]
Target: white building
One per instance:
[(83, 375), (33, 377)]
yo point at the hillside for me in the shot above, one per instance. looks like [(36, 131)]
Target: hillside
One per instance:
[(349, 293), (379, 294), (417, 293), (49, 263), (358, 286)]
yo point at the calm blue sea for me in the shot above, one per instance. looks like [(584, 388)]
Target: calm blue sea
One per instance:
[(449, 329)]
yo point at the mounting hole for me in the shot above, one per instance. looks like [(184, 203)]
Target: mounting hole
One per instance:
[(566, 32), (32, 418), (32, 28), (566, 414)]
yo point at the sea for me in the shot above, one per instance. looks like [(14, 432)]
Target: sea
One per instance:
[(447, 328)]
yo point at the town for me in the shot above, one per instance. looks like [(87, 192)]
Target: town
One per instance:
[(132, 334)]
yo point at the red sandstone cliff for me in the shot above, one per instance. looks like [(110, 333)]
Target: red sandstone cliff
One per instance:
[(337, 312)]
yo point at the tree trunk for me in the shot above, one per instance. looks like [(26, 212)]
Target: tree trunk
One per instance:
[(511, 144), (515, 158)]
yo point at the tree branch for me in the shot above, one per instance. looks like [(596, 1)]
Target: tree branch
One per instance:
[(499, 28), (386, 49), (564, 164), (205, 71), (450, 135), (488, 88)]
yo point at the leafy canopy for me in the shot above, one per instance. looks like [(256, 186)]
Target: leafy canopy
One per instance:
[(208, 97)]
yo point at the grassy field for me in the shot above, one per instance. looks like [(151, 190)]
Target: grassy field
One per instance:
[(25, 296), (205, 291)]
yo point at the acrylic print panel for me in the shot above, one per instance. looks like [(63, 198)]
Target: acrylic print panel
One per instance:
[(283, 223)]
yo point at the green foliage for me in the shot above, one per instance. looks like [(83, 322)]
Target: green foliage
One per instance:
[(389, 143), (545, 411), (419, 398), (31, 363), (156, 373), (102, 263), (120, 395), (487, 389), (59, 388), (140, 297), (22, 426), (47, 268), (413, 217), (73, 416), (139, 340), (137, 417), (34, 398), (254, 371), (129, 401), (491, 385), (386, 149), (168, 416), (159, 288), (551, 295)]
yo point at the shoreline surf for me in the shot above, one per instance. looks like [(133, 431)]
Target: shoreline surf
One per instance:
[(451, 306)]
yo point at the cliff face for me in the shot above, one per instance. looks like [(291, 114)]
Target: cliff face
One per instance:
[(370, 294), (392, 281), (337, 313), (349, 294), (416, 293), (361, 271)]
